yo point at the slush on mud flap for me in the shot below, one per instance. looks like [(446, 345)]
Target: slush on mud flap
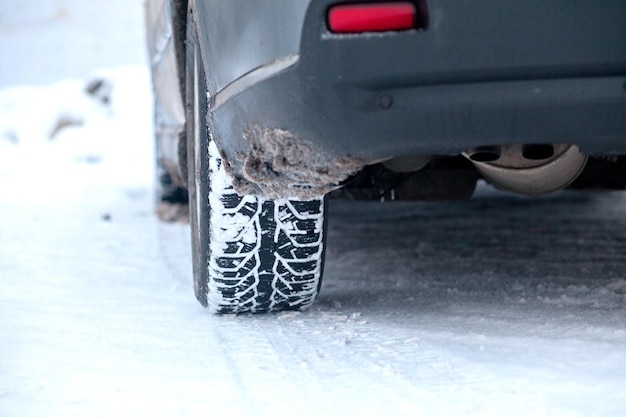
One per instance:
[(280, 165)]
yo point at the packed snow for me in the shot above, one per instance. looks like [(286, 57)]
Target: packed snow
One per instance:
[(501, 306)]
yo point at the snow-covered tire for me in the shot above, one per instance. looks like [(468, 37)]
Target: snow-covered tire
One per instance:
[(250, 254)]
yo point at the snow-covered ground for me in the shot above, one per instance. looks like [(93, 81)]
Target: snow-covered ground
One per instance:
[(44, 40), (502, 306)]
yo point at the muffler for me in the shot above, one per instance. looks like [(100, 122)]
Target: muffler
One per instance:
[(532, 170)]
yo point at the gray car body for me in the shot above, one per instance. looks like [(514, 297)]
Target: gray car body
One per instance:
[(483, 72)]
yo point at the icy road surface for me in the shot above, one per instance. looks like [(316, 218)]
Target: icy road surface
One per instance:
[(501, 306)]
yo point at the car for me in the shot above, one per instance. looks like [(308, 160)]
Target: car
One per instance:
[(265, 109)]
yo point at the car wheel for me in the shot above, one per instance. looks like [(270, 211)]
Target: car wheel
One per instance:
[(169, 113), (250, 254)]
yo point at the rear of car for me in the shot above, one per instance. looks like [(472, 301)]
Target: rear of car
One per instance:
[(393, 99)]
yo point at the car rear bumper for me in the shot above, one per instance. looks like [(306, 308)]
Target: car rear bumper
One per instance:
[(492, 72)]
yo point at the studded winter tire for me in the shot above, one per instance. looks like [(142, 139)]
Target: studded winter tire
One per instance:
[(250, 254)]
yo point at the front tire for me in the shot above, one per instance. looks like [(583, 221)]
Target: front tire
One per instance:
[(250, 254)]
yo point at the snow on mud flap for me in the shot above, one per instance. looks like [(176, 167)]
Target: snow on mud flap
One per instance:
[(263, 255)]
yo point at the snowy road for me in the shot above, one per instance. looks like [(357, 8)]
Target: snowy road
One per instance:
[(501, 306), (498, 306)]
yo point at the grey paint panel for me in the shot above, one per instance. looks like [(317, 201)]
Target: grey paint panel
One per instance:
[(485, 72), (238, 36), (478, 41)]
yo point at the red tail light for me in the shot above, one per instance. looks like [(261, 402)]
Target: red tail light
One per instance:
[(372, 17)]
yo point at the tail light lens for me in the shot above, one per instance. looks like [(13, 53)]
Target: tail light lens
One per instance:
[(372, 17)]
